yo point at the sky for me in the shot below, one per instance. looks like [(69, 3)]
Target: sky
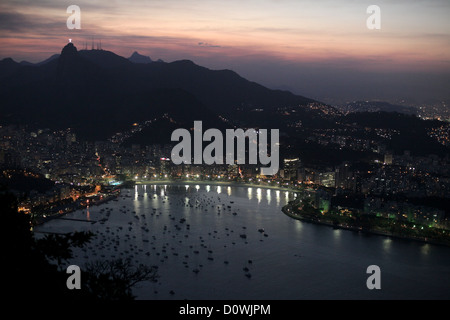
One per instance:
[(321, 49)]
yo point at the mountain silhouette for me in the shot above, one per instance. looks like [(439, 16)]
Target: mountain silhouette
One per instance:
[(53, 57), (138, 58), (99, 93)]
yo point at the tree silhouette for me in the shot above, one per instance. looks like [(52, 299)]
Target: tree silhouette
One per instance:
[(114, 279), (59, 247), (28, 269)]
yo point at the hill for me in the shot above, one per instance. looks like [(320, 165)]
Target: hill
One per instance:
[(98, 93)]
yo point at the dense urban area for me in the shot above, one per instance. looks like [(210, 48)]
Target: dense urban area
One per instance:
[(53, 172)]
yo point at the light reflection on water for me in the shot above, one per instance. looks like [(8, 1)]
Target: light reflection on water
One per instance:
[(425, 250), (289, 259), (387, 244), (258, 195)]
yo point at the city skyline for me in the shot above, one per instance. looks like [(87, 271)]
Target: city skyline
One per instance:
[(321, 51)]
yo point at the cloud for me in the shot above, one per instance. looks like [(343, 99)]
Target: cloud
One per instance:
[(18, 24), (205, 44)]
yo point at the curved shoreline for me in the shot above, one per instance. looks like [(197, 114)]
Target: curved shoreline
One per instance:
[(43, 220), (217, 183), (283, 208), (355, 229)]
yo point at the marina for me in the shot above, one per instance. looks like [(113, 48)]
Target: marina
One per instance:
[(232, 242)]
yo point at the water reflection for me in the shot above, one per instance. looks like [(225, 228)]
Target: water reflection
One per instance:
[(298, 225), (387, 244), (425, 249), (292, 256), (337, 234), (258, 195)]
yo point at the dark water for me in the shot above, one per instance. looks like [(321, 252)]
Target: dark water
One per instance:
[(279, 258)]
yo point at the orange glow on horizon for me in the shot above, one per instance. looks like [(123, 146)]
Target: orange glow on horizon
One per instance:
[(291, 31)]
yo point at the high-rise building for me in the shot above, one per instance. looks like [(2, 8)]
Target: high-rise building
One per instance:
[(291, 168), (344, 176), (164, 165), (388, 158), (327, 179)]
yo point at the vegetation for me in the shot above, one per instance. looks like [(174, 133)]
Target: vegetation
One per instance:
[(31, 270), (353, 219), (114, 280)]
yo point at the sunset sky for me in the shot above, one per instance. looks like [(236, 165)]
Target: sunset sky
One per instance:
[(320, 49)]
